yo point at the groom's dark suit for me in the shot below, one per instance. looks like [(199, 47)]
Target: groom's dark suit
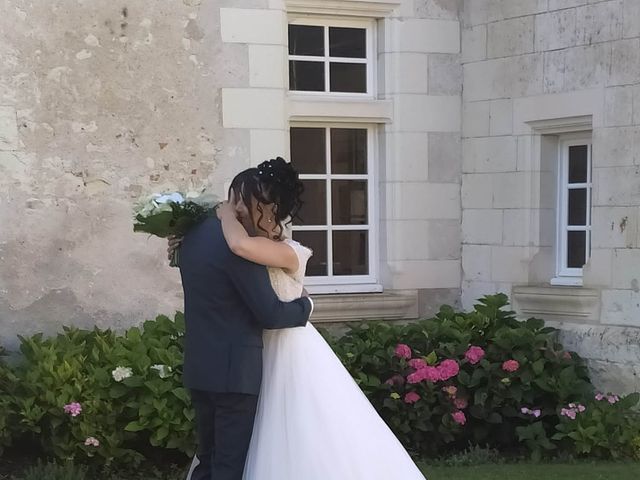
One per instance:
[(228, 301)]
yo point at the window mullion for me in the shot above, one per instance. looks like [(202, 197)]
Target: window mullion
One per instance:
[(329, 202), (327, 74)]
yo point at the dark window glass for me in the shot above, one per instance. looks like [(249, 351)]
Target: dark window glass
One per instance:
[(578, 163), (306, 76), (316, 241), (314, 210), (349, 202), (348, 77), (577, 206), (348, 151), (306, 40), (347, 42), (308, 150), (350, 253), (576, 249)]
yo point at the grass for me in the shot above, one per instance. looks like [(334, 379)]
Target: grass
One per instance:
[(579, 471)]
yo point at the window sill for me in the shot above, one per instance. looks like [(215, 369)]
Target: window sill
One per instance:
[(360, 8), (558, 303), (339, 109), (340, 308), (566, 281)]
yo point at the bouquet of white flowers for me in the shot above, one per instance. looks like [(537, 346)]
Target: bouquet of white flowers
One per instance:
[(172, 213)]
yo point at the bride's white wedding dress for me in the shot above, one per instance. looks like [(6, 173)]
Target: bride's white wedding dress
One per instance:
[(313, 421)]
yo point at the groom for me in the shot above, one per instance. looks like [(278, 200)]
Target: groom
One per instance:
[(228, 301)]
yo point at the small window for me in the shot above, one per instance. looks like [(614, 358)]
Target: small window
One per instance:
[(574, 208), (331, 57), (336, 167)]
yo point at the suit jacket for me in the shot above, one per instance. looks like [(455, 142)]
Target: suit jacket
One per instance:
[(228, 301)]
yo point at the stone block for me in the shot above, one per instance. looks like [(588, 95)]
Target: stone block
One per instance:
[(476, 119), (444, 9), (626, 271), (625, 62), (417, 200), (501, 117), (421, 35), (427, 113), (631, 15), (480, 82), (562, 4), (515, 190), (587, 66), (492, 154), (253, 108), (521, 227), (474, 12), (267, 144), (473, 290), (253, 25), (501, 9), (445, 157), (614, 227), (510, 37), (406, 72), (476, 262), (9, 139), (445, 74), (620, 307), (477, 190), (268, 66), (407, 157), (482, 226), (556, 30), (522, 76), (407, 240), (616, 146), (509, 264), (554, 68), (601, 22), (598, 269), (412, 274), (474, 43), (444, 240), (618, 106), (636, 104), (616, 186)]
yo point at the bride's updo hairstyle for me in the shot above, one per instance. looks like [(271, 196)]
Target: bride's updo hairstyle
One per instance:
[(274, 183)]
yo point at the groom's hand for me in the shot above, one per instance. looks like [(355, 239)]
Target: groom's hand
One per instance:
[(173, 243)]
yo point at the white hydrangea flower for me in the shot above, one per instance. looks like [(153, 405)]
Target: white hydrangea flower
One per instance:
[(163, 370), (120, 373)]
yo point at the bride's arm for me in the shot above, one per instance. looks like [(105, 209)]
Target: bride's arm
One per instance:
[(258, 250)]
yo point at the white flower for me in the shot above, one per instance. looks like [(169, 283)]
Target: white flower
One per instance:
[(163, 370), (174, 197), (120, 373), (92, 442)]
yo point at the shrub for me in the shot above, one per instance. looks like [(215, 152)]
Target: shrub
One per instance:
[(480, 378)]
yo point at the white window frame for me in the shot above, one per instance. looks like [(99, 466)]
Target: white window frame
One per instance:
[(347, 283), (371, 34), (564, 274)]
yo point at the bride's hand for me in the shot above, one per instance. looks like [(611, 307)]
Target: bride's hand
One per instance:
[(225, 208)]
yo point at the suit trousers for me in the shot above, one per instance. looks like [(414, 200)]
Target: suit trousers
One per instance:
[(224, 423)]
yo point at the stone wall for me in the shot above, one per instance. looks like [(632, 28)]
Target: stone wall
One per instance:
[(530, 64)]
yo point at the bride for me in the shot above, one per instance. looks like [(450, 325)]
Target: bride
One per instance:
[(313, 421)]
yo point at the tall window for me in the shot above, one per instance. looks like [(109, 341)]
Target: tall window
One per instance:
[(574, 208), (336, 167), (331, 57)]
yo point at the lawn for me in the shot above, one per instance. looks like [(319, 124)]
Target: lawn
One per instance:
[(582, 471)]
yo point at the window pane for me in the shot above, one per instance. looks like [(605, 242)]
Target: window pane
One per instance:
[(306, 76), (349, 202), (350, 253), (306, 40), (578, 163), (348, 77), (308, 150), (316, 241), (576, 249), (348, 150), (577, 206), (314, 210), (348, 42)]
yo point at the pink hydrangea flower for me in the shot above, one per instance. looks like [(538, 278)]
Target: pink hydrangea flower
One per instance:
[(510, 366), (599, 396), (92, 442), (416, 377), (411, 397), (581, 408), (459, 417), (403, 351), (474, 354), (431, 374), (417, 363), (460, 403), (567, 356), (73, 409), (525, 411), (613, 399), (395, 380), (536, 413), (451, 390), (568, 412), (448, 369)]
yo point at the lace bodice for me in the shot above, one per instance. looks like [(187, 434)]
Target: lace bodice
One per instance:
[(286, 285)]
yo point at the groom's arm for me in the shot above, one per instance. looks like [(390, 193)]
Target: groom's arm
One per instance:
[(253, 284)]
